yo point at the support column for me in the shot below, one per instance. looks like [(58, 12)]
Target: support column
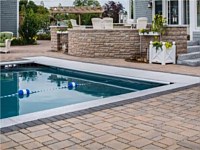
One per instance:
[(165, 9), (193, 16), (79, 19), (129, 9), (180, 12)]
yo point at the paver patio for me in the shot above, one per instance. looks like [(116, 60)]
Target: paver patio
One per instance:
[(170, 121)]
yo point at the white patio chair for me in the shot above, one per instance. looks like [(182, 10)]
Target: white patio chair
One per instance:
[(142, 23), (97, 23), (108, 23), (129, 22), (75, 25), (5, 41)]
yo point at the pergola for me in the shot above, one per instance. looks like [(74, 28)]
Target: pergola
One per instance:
[(77, 10)]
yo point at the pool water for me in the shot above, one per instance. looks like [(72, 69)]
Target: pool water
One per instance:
[(50, 87)]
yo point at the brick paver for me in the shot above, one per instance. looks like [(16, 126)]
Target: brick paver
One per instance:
[(168, 122), (178, 129), (44, 49)]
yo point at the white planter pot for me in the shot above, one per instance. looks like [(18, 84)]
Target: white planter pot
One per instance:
[(150, 34), (163, 55)]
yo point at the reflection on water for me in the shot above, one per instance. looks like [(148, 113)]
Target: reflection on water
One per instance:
[(49, 83), (9, 85), (57, 79)]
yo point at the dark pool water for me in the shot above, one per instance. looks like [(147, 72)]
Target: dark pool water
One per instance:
[(50, 87)]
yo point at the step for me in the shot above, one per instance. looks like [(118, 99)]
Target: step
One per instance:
[(191, 49), (187, 56), (190, 62), (193, 43)]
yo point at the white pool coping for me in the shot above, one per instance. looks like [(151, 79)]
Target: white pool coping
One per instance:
[(178, 80)]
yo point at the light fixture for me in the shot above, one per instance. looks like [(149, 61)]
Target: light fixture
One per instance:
[(150, 4)]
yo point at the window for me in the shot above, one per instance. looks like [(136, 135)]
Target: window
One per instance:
[(173, 12), (158, 7)]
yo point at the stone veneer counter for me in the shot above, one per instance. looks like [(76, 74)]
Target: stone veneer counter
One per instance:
[(118, 43)]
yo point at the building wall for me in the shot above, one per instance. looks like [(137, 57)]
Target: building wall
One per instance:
[(142, 10), (8, 15)]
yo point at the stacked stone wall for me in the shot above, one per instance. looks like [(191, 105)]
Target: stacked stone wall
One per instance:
[(119, 43), (115, 43), (57, 40)]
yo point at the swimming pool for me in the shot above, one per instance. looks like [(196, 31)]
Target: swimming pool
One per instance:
[(49, 88), (169, 81)]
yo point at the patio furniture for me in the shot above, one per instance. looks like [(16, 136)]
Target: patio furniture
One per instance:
[(5, 41), (62, 23), (97, 23), (75, 25), (130, 23), (142, 23), (108, 23)]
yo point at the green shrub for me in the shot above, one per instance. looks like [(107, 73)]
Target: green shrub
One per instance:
[(17, 41), (43, 37), (20, 41)]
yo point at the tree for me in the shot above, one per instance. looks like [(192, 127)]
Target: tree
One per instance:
[(94, 3), (43, 15), (86, 18), (112, 10), (29, 27), (33, 19), (22, 3)]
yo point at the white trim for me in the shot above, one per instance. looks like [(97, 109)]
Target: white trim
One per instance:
[(17, 18), (193, 12), (153, 8), (180, 12), (165, 9)]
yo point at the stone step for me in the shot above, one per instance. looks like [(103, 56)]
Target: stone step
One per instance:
[(189, 62), (193, 43), (187, 56), (191, 49)]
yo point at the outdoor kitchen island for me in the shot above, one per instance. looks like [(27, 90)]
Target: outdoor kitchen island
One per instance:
[(115, 43)]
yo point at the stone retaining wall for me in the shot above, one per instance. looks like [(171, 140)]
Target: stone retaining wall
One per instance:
[(57, 40), (118, 43), (115, 43)]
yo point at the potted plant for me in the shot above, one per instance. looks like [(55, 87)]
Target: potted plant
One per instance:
[(159, 25), (148, 32), (162, 52)]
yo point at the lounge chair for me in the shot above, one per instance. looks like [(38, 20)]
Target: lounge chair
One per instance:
[(5, 41), (97, 23), (108, 23), (75, 25), (142, 23)]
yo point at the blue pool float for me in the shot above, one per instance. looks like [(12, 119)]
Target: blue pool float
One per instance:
[(24, 92), (72, 85)]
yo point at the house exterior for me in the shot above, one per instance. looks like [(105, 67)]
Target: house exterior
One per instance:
[(9, 15), (177, 12)]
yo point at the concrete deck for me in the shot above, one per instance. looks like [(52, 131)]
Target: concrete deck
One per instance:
[(169, 121)]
